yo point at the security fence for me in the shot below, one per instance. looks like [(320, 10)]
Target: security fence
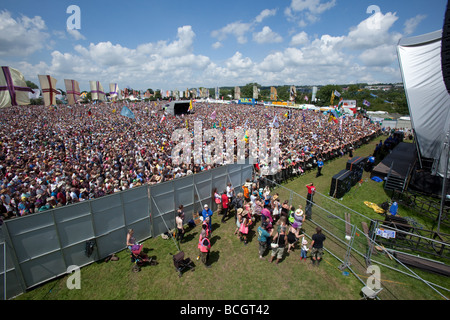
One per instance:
[(353, 241), (42, 246)]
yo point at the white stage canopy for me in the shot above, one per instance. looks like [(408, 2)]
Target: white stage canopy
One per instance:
[(427, 95)]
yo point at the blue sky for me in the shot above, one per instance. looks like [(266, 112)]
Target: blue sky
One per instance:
[(178, 44)]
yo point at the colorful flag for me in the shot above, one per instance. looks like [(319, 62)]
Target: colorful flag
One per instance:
[(190, 106), (366, 103), (127, 113), (213, 115), (336, 93), (163, 118), (306, 98)]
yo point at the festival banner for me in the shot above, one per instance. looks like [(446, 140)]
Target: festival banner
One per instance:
[(72, 91), (114, 91), (273, 93), (97, 92), (237, 93), (293, 93), (13, 88), (48, 88)]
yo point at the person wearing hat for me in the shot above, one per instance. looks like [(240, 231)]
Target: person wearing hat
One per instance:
[(207, 213), (263, 238), (299, 217)]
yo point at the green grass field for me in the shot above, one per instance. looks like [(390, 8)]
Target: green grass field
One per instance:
[(236, 271)]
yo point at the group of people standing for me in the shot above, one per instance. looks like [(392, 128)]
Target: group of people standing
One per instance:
[(279, 223)]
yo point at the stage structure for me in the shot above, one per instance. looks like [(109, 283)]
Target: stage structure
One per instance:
[(428, 101), (177, 108)]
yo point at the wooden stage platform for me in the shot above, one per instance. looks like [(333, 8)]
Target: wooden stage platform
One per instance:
[(401, 158)]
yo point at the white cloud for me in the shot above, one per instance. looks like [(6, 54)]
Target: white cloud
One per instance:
[(299, 39), (373, 32), (237, 29), (76, 34), (217, 45), (304, 11), (411, 24), (266, 35), (264, 14), (238, 62), (22, 36), (383, 55), (240, 29)]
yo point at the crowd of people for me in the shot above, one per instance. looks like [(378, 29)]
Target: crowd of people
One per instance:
[(280, 225), (59, 155)]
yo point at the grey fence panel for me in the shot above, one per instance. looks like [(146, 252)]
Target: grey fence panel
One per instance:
[(109, 224), (74, 224), (163, 207), (219, 179), (184, 195), (235, 176), (33, 235), (136, 208), (247, 172), (203, 187), (107, 213), (8, 275), (43, 268)]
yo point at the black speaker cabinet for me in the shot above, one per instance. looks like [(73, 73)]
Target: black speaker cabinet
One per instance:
[(356, 165), (341, 183)]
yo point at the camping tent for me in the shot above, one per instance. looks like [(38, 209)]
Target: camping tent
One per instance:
[(428, 98)]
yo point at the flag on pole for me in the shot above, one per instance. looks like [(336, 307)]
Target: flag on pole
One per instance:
[(13, 88), (190, 105), (366, 103), (48, 89), (114, 91), (163, 118), (332, 97), (213, 115), (97, 92), (275, 122), (127, 113), (337, 94), (72, 91)]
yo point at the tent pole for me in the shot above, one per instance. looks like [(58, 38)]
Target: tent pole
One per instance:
[(446, 152)]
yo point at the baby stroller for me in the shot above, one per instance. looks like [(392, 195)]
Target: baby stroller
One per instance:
[(139, 258), (181, 263)]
